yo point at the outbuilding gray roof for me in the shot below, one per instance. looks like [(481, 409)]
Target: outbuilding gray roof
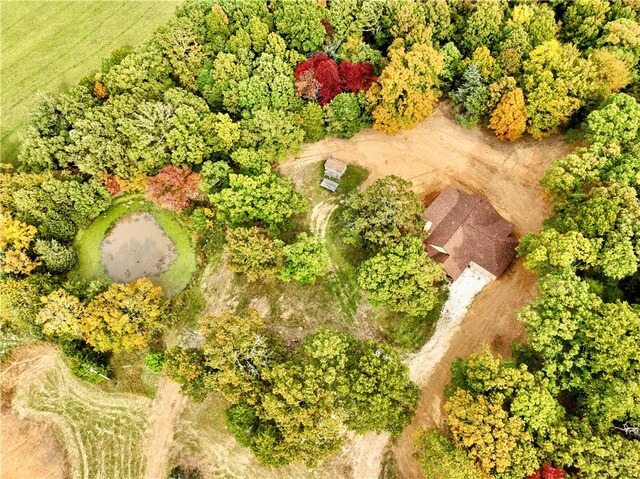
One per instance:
[(336, 166)]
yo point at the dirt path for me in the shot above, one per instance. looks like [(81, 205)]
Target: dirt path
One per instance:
[(164, 416), (440, 153), (320, 217)]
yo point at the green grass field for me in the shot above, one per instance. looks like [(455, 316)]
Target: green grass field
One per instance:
[(87, 244), (50, 45)]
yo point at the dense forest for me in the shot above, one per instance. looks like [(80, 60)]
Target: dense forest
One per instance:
[(195, 119)]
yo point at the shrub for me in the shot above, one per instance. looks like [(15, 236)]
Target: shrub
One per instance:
[(242, 422), (84, 362), (155, 362)]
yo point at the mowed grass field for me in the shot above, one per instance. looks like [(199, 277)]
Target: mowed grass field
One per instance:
[(103, 433), (49, 45)]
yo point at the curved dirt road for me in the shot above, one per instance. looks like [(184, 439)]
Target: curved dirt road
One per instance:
[(436, 154)]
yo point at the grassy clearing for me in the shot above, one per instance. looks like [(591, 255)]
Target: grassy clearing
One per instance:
[(87, 244), (49, 45), (333, 300), (103, 433)]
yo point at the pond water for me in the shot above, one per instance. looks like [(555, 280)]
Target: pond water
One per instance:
[(136, 246)]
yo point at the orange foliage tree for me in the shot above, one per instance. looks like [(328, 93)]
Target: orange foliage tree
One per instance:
[(173, 187), (509, 119)]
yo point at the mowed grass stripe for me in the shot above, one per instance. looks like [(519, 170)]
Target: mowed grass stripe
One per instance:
[(103, 432), (50, 45)]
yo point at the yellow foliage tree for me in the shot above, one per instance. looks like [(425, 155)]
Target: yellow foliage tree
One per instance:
[(123, 318), (60, 315), (15, 240), (485, 431), (613, 74), (509, 119), (406, 91)]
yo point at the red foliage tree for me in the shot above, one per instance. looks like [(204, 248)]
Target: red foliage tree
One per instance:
[(356, 76), (173, 187), (548, 472), (332, 79), (330, 82)]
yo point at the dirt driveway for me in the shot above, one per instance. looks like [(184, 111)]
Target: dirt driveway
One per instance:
[(441, 153)]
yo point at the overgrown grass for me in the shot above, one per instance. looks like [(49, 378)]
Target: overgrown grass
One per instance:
[(49, 45), (103, 433), (87, 244)]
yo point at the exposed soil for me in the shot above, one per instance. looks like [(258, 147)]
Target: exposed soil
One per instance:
[(135, 247), (30, 449), (439, 153)]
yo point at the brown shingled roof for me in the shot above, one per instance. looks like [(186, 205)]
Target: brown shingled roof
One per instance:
[(469, 229)]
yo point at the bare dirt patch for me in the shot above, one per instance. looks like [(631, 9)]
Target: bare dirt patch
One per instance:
[(135, 247), (30, 449), (439, 152)]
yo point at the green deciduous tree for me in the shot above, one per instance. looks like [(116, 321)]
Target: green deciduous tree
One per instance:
[(482, 26), (188, 368), (266, 198), (299, 23), (402, 278), (556, 82), (583, 20), (440, 459), (253, 253), (304, 260), (381, 396), (582, 339), (382, 214), (273, 132), (20, 299), (553, 250), (311, 120), (238, 351), (57, 257), (345, 118)]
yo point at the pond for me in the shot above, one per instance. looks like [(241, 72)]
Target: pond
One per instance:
[(137, 246)]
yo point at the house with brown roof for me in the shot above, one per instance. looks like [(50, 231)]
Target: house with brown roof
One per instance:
[(466, 231)]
